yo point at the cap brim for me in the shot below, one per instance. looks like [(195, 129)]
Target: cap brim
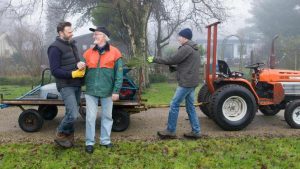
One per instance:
[(92, 29)]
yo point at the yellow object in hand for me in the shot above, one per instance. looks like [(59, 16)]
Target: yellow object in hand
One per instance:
[(78, 73), (150, 59)]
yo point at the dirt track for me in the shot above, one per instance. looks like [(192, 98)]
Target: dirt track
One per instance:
[(143, 126)]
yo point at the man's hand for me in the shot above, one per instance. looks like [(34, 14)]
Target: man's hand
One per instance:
[(150, 59), (81, 65), (115, 97), (78, 73)]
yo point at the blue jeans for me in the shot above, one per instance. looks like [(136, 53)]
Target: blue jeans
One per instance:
[(91, 116), (181, 94), (71, 98)]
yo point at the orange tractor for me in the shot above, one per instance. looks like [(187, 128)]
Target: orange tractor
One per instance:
[(232, 101)]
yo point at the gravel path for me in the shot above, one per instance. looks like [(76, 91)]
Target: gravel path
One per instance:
[(143, 126)]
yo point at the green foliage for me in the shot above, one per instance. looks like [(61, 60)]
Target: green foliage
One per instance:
[(247, 152), (288, 56), (106, 15), (276, 17), (22, 80), (157, 78), (13, 91), (134, 62)]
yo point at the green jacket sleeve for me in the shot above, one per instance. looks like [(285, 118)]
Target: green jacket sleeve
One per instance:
[(118, 76)]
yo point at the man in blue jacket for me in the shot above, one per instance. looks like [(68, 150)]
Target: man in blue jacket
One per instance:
[(68, 71)]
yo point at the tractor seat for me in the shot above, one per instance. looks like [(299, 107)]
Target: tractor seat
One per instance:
[(223, 70)]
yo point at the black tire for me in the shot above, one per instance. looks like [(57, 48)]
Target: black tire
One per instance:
[(239, 96), (121, 120), (48, 112), (30, 120), (82, 112), (292, 114), (270, 110), (203, 96)]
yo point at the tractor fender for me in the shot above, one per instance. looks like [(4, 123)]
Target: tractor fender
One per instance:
[(239, 81)]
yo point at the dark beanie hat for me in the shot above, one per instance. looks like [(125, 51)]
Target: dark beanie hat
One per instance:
[(101, 29), (186, 33)]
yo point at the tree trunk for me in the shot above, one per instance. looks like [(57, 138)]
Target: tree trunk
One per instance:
[(134, 15)]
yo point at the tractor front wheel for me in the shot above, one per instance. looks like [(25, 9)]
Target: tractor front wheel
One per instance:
[(233, 107), (292, 114)]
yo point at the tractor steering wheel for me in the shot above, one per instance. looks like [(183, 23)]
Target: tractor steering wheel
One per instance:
[(255, 65)]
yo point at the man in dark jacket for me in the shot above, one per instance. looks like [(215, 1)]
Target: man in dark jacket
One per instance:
[(187, 60), (68, 71)]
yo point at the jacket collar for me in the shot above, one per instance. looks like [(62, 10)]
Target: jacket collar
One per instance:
[(106, 47)]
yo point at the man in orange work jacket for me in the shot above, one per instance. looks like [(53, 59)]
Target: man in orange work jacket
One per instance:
[(103, 80)]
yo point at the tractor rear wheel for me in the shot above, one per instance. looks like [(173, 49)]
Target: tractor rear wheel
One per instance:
[(203, 97), (233, 107), (121, 120), (48, 112), (30, 120), (292, 114), (270, 110)]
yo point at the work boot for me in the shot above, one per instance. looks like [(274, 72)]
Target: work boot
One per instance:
[(165, 134), (89, 149), (192, 135), (70, 137), (62, 140), (110, 145)]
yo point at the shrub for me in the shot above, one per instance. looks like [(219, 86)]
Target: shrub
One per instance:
[(157, 78)]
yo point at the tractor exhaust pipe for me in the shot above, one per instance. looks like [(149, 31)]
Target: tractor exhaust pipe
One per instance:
[(272, 57)]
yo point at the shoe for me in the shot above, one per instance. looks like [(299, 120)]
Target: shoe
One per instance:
[(70, 137), (192, 135), (89, 149), (62, 140), (110, 145), (166, 134)]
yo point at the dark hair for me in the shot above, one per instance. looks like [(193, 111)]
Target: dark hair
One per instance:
[(61, 26)]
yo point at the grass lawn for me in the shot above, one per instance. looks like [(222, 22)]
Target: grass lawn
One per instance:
[(162, 93), (246, 152), (13, 91), (218, 153), (158, 93)]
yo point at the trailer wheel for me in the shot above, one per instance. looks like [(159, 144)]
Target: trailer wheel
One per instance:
[(203, 96), (292, 114), (233, 107), (30, 120), (121, 120), (270, 110), (48, 112), (82, 112)]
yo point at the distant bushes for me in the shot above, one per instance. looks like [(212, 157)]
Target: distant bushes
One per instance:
[(21, 81), (157, 78)]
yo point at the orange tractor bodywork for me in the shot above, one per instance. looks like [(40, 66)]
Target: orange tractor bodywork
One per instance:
[(232, 101)]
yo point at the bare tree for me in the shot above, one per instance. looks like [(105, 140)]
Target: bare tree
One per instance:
[(29, 49), (135, 16)]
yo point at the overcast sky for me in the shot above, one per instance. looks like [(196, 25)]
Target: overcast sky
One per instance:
[(238, 13)]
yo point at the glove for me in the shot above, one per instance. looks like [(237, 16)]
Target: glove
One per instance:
[(78, 73), (150, 59)]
